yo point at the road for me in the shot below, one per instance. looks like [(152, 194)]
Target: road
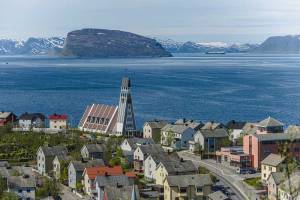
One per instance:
[(226, 177)]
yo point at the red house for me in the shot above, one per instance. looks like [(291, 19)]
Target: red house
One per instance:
[(7, 118)]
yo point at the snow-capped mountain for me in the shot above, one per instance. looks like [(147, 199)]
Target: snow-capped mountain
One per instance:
[(32, 46), (204, 47)]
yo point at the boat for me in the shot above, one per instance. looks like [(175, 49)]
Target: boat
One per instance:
[(215, 52)]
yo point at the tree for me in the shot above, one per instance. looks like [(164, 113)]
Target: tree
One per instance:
[(3, 185), (198, 149), (63, 171), (170, 137), (79, 186), (9, 196)]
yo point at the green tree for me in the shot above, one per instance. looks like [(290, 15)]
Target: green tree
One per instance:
[(170, 137), (9, 196), (79, 186), (63, 171), (3, 185)]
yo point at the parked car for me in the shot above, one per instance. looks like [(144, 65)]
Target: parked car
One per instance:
[(241, 170)]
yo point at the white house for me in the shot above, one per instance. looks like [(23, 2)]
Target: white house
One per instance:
[(58, 122), (176, 136), (22, 186), (235, 129), (27, 121)]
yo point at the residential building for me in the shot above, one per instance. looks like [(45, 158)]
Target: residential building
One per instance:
[(233, 156), (272, 163), (208, 141), (90, 174), (142, 152), (218, 195), (129, 145), (93, 151), (289, 189), (152, 129), (190, 123), (111, 181), (273, 182), (46, 155), (121, 193), (7, 118), (58, 162), (196, 186), (126, 120), (174, 167), (58, 122), (152, 161), (22, 186), (28, 121), (76, 168), (99, 118), (259, 146), (235, 129), (212, 125), (269, 125), (176, 136)]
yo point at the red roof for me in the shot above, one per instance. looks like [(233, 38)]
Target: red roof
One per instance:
[(92, 172), (130, 174), (58, 117)]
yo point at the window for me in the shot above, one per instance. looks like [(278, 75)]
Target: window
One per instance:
[(199, 189), (20, 191), (182, 190), (28, 190), (270, 168)]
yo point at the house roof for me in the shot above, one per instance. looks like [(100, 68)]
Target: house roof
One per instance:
[(58, 117), (32, 116), (164, 157), (249, 128), (61, 157), (218, 195), (175, 166), (197, 180), (235, 125), (135, 142), (212, 125), (175, 128), (92, 172), (119, 180), (217, 133), (269, 122), (120, 193), (4, 115), (277, 136), (157, 123), (81, 165), (277, 176), (273, 160), (21, 182), (151, 149), (95, 116), (54, 151), (190, 123), (95, 148)]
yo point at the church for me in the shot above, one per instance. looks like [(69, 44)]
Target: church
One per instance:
[(110, 119)]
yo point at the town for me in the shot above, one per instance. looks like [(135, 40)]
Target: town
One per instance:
[(106, 157)]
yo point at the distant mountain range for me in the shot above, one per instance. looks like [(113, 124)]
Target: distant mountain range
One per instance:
[(90, 43)]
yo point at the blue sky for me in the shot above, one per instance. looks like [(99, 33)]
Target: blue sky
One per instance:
[(195, 20)]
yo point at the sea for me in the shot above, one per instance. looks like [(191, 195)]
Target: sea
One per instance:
[(241, 87)]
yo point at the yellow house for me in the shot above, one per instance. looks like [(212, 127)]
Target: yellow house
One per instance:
[(174, 167), (197, 187), (272, 163)]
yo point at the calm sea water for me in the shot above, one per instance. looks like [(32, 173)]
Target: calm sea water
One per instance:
[(220, 88)]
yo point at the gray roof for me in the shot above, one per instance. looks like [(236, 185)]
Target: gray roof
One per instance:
[(190, 123), (54, 151), (273, 160), (212, 125), (164, 157), (269, 122), (135, 142), (122, 193), (151, 149), (95, 148), (278, 177), (235, 125), (175, 128), (32, 116), (175, 166), (198, 180), (21, 182), (217, 133), (121, 180), (218, 195), (81, 165), (277, 136), (157, 123)]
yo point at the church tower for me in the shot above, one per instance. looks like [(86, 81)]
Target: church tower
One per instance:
[(125, 121)]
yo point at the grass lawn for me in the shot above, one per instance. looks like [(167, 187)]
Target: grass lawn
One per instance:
[(254, 182)]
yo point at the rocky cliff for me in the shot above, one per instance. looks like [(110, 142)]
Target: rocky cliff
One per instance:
[(102, 43)]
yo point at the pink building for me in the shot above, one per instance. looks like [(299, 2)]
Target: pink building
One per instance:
[(234, 156), (259, 146)]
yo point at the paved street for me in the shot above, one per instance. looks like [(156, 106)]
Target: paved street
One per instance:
[(226, 176)]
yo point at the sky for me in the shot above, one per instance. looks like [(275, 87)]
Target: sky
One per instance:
[(228, 21)]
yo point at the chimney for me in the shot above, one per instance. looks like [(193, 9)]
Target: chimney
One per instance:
[(181, 160)]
